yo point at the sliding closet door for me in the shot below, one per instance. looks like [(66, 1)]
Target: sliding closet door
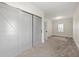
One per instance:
[(24, 31), (8, 30), (15, 31), (36, 30)]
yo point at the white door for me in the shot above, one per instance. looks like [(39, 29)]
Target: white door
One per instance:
[(37, 32), (15, 31), (45, 30), (24, 31)]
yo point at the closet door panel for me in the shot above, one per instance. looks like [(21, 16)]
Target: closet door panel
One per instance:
[(36, 31), (25, 31), (8, 30), (15, 31)]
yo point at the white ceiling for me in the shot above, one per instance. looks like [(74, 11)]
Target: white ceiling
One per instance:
[(54, 9)]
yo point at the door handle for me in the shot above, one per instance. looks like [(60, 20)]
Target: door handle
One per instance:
[(46, 31), (41, 31)]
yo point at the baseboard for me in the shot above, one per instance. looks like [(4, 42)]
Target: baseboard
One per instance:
[(50, 36), (60, 36)]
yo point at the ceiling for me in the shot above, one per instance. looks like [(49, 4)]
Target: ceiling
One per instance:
[(54, 9)]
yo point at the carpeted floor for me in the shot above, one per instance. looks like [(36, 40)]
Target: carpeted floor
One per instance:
[(53, 47)]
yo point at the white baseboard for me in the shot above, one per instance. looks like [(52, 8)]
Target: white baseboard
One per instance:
[(60, 36)]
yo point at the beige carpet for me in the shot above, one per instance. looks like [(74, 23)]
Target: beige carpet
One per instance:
[(53, 47)]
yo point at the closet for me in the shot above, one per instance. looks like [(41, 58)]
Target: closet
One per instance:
[(19, 30)]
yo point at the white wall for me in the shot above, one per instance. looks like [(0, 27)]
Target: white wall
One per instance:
[(31, 9), (49, 27), (68, 27), (76, 26), (52, 27)]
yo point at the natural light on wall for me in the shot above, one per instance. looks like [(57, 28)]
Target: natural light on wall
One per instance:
[(60, 27), (11, 29)]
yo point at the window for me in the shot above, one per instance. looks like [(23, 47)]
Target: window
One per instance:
[(60, 28)]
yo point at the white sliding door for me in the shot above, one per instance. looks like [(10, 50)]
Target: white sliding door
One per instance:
[(24, 31), (37, 30), (15, 31)]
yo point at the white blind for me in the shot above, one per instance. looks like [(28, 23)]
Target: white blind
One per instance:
[(60, 27)]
